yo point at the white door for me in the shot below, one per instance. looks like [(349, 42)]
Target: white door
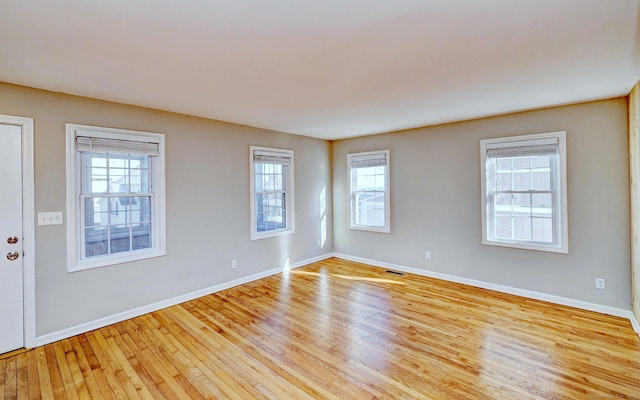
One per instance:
[(11, 264)]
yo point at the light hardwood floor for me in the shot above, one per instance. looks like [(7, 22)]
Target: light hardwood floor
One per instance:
[(341, 330)]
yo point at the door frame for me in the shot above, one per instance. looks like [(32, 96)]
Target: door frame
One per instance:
[(28, 225)]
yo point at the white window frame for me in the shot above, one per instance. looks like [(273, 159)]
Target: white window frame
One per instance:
[(289, 192), (559, 206), (369, 155), (75, 261)]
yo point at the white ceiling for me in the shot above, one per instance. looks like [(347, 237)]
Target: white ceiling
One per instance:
[(326, 68)]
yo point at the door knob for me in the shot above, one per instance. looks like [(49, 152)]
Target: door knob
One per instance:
[(12, 240), (13, 255)]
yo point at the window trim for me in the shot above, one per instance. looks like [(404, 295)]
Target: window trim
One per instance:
[(73, 208), (562, 223), (289, 199), (387, 193)]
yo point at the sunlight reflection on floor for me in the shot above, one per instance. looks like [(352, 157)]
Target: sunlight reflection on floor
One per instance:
[(349, 277)]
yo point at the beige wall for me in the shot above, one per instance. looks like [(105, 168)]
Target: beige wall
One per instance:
[(435, 203), (634, 156), (435, 181), (207, 177)]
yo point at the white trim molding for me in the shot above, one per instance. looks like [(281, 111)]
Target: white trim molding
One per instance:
[(634, 323), (550, 145), (136, 312), (28, 225), (113, 139), (584, 305), (284, 158), (379, 158)]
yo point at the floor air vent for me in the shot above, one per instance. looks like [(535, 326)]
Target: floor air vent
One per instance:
[(394, 272)]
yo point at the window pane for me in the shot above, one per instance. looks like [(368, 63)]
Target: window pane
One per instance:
[(94, 173), (503, 164), (522, 201), (119, 212), (96, 211), (540, 161), (522, 180), (141, 236), (277, 183), (95, 240), (522, 226), (97, 160), (503, 181), (542, 230), (542, 202), (98, 180), (266, 182), (118, 180), (378, 217), (504, 199), (138, 161), (541, 180), (521, 162), (380, 182), (120, 238), (503, 226), (120, 161), (141, 209), (370, 208), (139, 180)]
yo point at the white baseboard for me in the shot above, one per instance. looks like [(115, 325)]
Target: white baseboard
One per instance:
[(634, 323), (136, 312), (112, 319), (584, 305)]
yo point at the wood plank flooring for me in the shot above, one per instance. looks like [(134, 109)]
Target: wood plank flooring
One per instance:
[(340, 330)]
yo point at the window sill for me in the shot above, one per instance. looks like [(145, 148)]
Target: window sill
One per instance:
[(265, 235), (526, 246), (106, 261), (378, 229)]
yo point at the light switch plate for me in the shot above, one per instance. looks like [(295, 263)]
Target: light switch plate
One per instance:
[(50, 218)]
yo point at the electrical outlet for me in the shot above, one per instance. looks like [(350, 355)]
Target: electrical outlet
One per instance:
[(600, 283), (427, 255), (234, 263)]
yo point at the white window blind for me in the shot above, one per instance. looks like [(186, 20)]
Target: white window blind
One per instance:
[(371, 160), (539, 147), (268, 157), (104, 145)]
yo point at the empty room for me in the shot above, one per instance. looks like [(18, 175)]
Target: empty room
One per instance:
[(420, 199)]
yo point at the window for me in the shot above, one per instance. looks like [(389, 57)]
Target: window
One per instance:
[(369, 193), (524, 195), (272, 204), (115, 196)]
